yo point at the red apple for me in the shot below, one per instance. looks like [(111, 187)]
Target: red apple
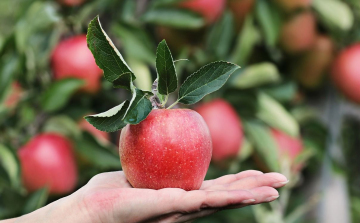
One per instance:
[(48, 160), (346, 72), (292, 5), (170, 148), (289, 147), (211, 10), (299, 33), (225, 128), (71, 2), (240, 9), (99, 135), (13, 96), (72, 58), (310, 68)]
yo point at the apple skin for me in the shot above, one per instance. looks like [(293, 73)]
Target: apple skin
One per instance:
[(48, 160), (225, 129), (170, 148), (346, 72), (71, 2), (292, 5), (289, 147), (299, 33), (310, 68), (103, 137), (72, 58), (211, 10), (14, 95), (240, 9)]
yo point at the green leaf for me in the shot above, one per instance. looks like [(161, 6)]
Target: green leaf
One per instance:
[(41, 15), (256, 75), (143, 74), (140, 107), (89, 148), (270, 21), (9, 66), (264, 143), (220, 37), (107, 57), (283, 92), (59, 93), (36, 200), (111, 120), (63, 125), (137, 44), (275, 115), (206, 80), (10, 162), (177, 18), (246, 41), (343, 19), (165, 67)]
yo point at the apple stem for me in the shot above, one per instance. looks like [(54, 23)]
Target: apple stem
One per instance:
[(172, 105)]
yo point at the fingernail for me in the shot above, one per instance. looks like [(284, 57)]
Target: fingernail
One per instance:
[(280, 184), (271, 198), (248, 201)]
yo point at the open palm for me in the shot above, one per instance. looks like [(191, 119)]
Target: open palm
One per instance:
[(108, 197)]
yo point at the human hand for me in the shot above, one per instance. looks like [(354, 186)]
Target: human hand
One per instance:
[(108, 197)]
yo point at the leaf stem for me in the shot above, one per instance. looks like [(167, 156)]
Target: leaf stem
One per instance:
[(165, 100), (172, 105)]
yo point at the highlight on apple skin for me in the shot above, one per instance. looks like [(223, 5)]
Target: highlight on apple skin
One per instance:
[(47, 160), (170, 148), (72, 58), (225, 128)]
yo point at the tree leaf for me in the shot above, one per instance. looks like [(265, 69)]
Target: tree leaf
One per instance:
[(165, 67), (275, 115), (220, 37), (140, 107), (111, 120), (107, 57), (246, 41), (63, 125), (270, 21), (173, 17), (343, 19), (256, 75), (102, 157), (59, 93), (206, 80), (36, 200), (265, 145), (10, 163)]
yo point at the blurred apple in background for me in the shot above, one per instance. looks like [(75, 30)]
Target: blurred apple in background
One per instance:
[(170, 148), (211, 10), (289, 148), (71, 2), (13, 96), (299, 33), (311, 67), (292, 5), (72, 58), (225, 128), (240, 9), (346, 72), (103, 137), (47, 160)]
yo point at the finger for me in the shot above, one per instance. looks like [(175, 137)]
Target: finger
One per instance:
[(112, 179), (275, 180), (230, 178), (264, 194)]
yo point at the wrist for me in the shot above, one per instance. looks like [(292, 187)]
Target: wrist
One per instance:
[(66, 209)]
